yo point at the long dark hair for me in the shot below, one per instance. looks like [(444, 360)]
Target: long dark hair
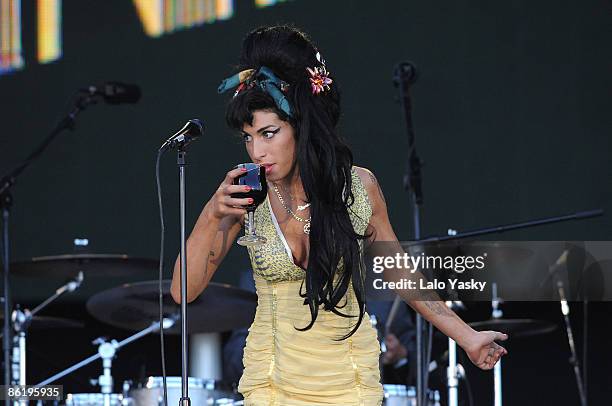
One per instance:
[(321, 154)]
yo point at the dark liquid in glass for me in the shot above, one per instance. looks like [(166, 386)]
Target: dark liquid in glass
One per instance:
[(256, 179)]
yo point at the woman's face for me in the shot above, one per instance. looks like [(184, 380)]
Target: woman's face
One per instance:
[(270, 142)]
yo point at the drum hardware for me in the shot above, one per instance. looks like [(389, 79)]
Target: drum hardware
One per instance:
[(402, 395), (133, 306), (37, 323), (453, 371), (217, 301), (201, 391), (96, 399), (106, 351), (6, 201), (21, 321), (515, 328), (205, 351), (219, 308), (454, 235), (93, 265), (565, 311)]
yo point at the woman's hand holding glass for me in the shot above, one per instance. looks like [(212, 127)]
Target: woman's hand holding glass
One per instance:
[(222, 204)]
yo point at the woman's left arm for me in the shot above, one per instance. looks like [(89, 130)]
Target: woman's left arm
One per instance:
[(480, 347)]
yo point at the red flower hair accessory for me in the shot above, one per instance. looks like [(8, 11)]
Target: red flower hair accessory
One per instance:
[(319, 79)]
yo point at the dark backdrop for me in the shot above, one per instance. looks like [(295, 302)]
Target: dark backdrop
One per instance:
[(511, 111)]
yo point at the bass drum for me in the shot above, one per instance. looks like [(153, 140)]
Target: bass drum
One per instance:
[(402, 395), (93, 399), (201, 392)]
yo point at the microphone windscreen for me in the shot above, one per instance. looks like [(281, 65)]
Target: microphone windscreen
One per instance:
[(196, 128), (118, 93)]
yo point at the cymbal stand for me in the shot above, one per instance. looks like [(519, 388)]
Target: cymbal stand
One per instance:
[(106, 351), (21, 320), (570, 338)]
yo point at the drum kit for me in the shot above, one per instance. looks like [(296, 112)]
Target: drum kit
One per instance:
[(135, 307)]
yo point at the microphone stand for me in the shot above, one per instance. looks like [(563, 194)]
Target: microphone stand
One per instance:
[(6, 200), (180, 140), (185, 401), (565, 311), (405, 75)]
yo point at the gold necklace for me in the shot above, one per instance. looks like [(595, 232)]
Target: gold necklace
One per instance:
[(300, 207), (306, 227)]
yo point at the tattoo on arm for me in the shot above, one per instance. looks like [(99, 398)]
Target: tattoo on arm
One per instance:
[(373, 179), (211, 255), (224, 239), (435, 305), (438, 308)]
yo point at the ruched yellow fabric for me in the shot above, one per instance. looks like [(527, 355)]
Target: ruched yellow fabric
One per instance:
[(288, 367)]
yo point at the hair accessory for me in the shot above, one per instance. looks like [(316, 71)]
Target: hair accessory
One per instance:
[(265, 79), (320, 58), (240, 79), (319, 79)]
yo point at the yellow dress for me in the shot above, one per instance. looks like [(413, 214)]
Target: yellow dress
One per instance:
[(287, 367)]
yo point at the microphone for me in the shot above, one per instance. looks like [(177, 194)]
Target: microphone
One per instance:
[(405, 74), (193, 129), (115, 92)]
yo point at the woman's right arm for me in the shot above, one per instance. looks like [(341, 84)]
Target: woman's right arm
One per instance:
[(213, 234)]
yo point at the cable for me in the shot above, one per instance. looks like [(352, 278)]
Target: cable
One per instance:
[(161, 267)]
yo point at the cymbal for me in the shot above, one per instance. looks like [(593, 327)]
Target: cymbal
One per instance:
[(47, 322), (499, 251), (134, 306), (69, 265), (516, 328)]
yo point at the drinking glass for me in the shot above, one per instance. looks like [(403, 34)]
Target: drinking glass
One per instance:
[(255, 177)]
